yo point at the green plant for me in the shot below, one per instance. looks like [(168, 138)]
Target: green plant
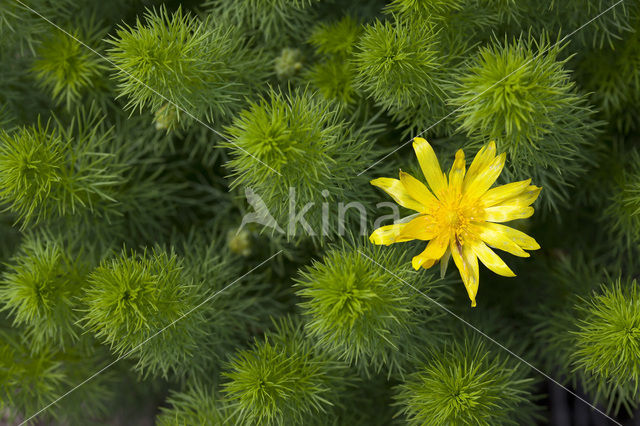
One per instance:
[(283, 380), (520, 95), (186, 195), (32, 379), (397, 64), (362, 309), (55, 172), (67, 69), (40, 289), (606, 343), (607, 28), (274, 21), (146, 298), (620, 208), (196, 406), (334, 74), (182, 68), (336, 39), (612, 75), (465, 383), (295, 146)]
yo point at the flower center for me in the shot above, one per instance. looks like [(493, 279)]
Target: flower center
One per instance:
[(453, 219)]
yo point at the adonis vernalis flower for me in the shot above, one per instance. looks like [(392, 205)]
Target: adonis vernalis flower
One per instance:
[(460, 215)]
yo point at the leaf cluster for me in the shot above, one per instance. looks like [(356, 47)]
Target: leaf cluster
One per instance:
[(40, 288), (48, 172), (142, 306), (297, 146), (68, 69), (182, 68), (283, 379), (520, 95), (334, 74), (465, 383), (363, 310), (606, 344), (275, 22)]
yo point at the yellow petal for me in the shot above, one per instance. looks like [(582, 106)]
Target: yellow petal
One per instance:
[(444, 262), (456, 175), (417, 190), (396, 189), (387, 235), (507, 213), (491, 260), (483, 158), (467, 263), (497, 231), (434, 251), (430, 166), (501, 193), (497, 236), (525, 198), (417, 262), (420, 228), (485, 178)]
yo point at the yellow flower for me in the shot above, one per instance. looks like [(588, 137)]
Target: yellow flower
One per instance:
[(459, 216)]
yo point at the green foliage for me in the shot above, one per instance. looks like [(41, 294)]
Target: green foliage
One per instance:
[(474, 19), (525, 80), (607, 342), (334, 80), (506, 10), (85, 176), (465, 383), (142, 306), (196, 406), (274, 21), (563, 280), (16, 80), (289, 63), (40, 289), (621, 217), (592, 337), (131, 268), (396, 64), (297, 145), (31, 160), (235, 309), (37, 377), (6, 118), (283, 380), (572, 15), (21, 28), (334, 75), (404, 64), (172, 63), (182, 313), (151, 194), (31, 380), (612, 75), (55, 172), (520, 95), (424, 8), (67, 69), (364, 312), (337, 38)]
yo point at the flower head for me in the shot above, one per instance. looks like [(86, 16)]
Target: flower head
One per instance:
[(460, 214)]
